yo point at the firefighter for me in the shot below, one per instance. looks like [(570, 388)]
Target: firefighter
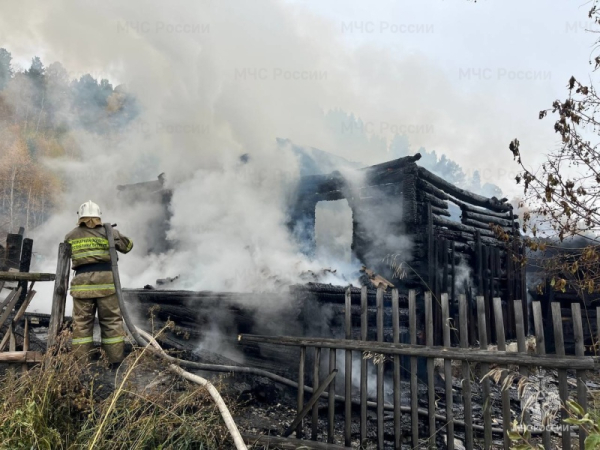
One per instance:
[(92, 287)]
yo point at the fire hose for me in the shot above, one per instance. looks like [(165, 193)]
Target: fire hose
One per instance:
[(144, 339), (142, 342)]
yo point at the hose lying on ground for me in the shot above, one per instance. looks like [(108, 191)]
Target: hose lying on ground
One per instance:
[(308, 389), (229, 422), (139, 336)]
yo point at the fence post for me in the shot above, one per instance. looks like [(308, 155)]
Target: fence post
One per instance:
[(414, 400), (331, 399), (24, 266), (563, 388), (301, 367), (379, 367), (580, 374), (61, 285), (14, 242), (466, 372), (315, 408), (397, 393), (364, 324), (431, 407), (540, 346), (348, 372), (521, 346), (448, 373), (485, 368), (25, 342), (500, 338)]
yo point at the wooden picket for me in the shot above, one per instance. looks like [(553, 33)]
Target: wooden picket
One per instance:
[(426, 424)]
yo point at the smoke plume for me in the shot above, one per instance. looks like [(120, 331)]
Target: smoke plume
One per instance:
[(213, 81)]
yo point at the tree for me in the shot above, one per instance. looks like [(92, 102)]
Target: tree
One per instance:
[(450, 170), (37, 75), (400, 146), (563, 195), (6, 71), (58, 95), (443, 166), (14, 165), (36, 70), (90, 102), (475, 185), (41, 114), (27, 189)]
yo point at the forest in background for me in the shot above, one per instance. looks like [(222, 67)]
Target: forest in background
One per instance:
[(42, 111)]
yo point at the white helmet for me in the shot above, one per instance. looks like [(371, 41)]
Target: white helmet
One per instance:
[(89, 209)]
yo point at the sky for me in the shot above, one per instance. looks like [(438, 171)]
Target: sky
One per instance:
[(513, 56), (460, 77)]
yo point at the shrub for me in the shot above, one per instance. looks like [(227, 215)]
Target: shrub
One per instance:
[(65, 403)]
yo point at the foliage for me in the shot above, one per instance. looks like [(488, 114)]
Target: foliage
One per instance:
[(63, 404), (42, 113), (5, 67), (562, 198), (27, 189), (589, 422), (530, 391)]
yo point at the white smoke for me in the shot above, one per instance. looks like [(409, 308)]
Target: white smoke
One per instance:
[(333, 230), (202, 107), (214, 80)]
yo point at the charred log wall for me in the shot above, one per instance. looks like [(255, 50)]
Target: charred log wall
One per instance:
[(401, 208), (484, 246), (382, 198), (212, 320)]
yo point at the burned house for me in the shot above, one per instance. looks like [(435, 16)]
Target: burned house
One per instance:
[(409, 225), (438, 234)]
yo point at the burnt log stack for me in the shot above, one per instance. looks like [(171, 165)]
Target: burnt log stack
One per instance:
[(442, 235), (213, 320), (472, 243), (454, 246)]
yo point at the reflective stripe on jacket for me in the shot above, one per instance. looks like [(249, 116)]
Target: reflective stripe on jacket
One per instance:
[(90, 246)]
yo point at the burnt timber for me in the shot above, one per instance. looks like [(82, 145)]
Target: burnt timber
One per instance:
[(419, 209), (304, 310), (440, 233)]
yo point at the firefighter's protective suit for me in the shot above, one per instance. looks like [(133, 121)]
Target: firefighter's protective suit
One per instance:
[(93, 288)]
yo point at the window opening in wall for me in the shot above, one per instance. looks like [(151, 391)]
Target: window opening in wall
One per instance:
[(333, 231)]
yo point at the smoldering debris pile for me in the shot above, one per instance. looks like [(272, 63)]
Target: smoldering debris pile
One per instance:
[(212, 320)]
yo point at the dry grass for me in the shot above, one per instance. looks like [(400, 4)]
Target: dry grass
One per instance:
[(66, 404)]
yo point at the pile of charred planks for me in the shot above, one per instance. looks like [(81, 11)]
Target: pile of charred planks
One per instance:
[(17, 283)]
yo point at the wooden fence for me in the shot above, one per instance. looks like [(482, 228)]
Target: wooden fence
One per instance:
[(475, 363), (15, 262)]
